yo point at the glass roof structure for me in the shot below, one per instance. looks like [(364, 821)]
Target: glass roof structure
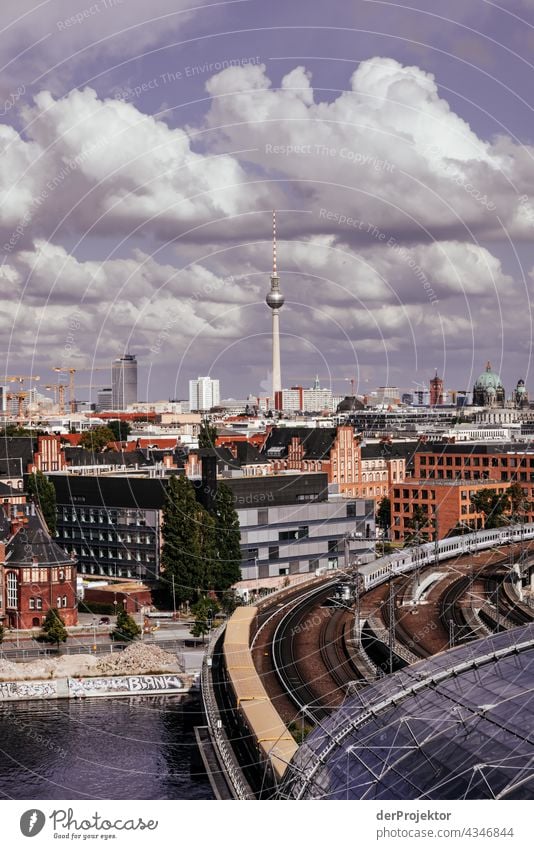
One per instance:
[(459, 725)]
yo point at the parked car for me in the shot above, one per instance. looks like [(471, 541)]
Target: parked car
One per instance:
[(104, 620)]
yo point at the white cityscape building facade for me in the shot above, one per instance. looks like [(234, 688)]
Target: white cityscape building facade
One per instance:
[(204, 393)]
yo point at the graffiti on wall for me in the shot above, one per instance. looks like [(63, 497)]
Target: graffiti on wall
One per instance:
[(133, 684), (12, 690)]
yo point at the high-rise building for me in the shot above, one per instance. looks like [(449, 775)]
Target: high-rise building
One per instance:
[(204, 393), (104, 400), (123, 381), (275, 300)]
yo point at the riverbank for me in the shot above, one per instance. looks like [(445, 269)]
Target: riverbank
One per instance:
[(111, 686), (139, 669)]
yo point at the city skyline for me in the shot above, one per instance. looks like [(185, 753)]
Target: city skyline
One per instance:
[(402, 182)]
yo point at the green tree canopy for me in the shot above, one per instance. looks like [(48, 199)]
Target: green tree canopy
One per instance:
[(383, 514), (207, 435), (42, 492), (493, 505), (227, 567), (417, 526), (519, 503), (126, 629), (97, 438), (204, 611), (53, 628), (182, 531), (121, 429)]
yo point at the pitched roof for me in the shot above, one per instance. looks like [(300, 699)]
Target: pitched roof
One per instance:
[(83, 457), (316, 442), (13, 450), (33, 541)]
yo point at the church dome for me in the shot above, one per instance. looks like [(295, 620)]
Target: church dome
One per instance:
[(350, 404), (489, 380)]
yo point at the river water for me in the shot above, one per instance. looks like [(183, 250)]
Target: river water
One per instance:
[(129, 748)]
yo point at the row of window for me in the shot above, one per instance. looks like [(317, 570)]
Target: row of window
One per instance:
[(42, 576), (99, 516), (106, 536), (504, 462), (101, 553)]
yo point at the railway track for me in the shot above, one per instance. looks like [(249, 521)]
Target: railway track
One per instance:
[(402, 636), (334, 651), (284, 659), (451, 611)]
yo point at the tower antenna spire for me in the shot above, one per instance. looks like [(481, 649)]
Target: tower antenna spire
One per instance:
[(274, 242), (275, 300)]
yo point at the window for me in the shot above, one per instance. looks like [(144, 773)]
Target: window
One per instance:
[(250, 553), (38, 603), (32, 603), (263, 516), (351, 510), (297, 533), (12, 591), (274, 552), (58, 602), (64, 600), (332, 545)]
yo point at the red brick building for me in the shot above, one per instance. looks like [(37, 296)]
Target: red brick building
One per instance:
[(444, 503), (37, 574), (504, 463), (359, 471)]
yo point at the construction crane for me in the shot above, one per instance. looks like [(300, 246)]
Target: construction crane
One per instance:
[(20, 395), (59, 391), (71, 372)]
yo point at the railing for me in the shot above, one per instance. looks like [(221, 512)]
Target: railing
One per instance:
[(224, 749)]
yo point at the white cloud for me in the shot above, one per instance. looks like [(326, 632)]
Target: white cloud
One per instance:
[(389, 151)]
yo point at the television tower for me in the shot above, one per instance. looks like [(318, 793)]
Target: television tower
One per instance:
[(275, 300)]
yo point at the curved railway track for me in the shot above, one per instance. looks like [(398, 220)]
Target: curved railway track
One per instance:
[(450, 610), (334, 651), (285, 662)]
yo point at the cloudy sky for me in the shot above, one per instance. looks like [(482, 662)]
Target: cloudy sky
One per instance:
[(144, 145)]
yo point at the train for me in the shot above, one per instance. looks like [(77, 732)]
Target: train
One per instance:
[(408, 559)]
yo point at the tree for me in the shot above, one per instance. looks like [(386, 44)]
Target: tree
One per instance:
[(229, 601), (53, 628), (415, 526), (493, 505), (43, 493), (121, 430), (227, 567), (207, 434), (97, 438), (204, 612), (519, 503), (383, 515), (182, 531), (126, 629)]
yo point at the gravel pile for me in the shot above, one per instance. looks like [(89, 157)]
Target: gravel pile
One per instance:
[(137, 659)]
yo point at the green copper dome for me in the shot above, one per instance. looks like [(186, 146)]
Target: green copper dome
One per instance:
[(488, 380)]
